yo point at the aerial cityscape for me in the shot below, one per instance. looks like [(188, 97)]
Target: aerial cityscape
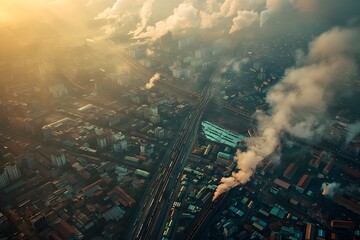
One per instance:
[(180, 119)]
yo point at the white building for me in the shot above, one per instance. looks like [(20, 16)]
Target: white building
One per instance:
[(143, 149), (58, 90), (102, 143), (120, 146), (153, 110), (99, 131), (159, 132), (155, 118), (118, 137)]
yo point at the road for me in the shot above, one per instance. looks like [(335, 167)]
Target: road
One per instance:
[(158, 198), (151, 220)]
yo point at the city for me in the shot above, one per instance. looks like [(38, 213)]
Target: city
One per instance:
[(185, 119)]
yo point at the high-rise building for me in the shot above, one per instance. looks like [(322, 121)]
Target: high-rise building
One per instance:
[(159, 132), (102, 142), (4, 179), (47, 132), (99, 131), (120, 145), (12, 171), (153, 110), (155, 118), (229, 229), (38, 221), (118, 137), (58, 159), (58, 90), (143, 149)]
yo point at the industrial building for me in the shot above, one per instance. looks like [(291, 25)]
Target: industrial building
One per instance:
[(217, 134)]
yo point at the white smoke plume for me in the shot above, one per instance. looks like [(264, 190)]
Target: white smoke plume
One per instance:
[(185, 16), (121, 16), (111, 12), (149, 52), (238, 65), (329, 189), (273, 7), (145, 15), (299, 101), (152, 81), (230, 7), (244, 19), (353, 130)]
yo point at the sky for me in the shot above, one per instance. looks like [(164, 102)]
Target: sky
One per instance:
[(25, 23)]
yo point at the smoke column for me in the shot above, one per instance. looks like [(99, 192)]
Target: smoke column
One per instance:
[(299, 101), (353, 131), (145, 14), (329, 189), (152, 81)]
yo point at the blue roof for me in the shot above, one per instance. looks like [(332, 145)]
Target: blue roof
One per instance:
[(217, 134)]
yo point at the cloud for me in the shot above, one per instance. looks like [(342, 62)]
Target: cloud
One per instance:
[(298, 102), (244, 19)]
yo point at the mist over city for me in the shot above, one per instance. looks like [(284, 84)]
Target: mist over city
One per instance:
[(182, 119)]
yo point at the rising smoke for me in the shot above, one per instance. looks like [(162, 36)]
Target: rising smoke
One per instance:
[(244, 19), (145, 14), (152, 81), (185, 16), (150, 19), (353, 131), (299, 101), (329, 189)]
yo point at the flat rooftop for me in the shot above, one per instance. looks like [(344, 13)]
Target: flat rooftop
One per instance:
[(217, 134)]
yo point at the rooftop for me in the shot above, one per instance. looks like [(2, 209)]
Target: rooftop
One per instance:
[(220, 135)]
